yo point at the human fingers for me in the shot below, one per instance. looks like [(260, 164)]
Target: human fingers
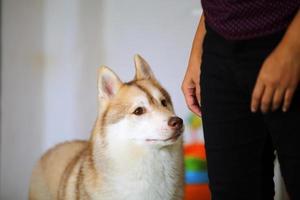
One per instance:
[(278, 98), (198, 91), (191, 100), (267, 99), (257, 95), (288, 96)]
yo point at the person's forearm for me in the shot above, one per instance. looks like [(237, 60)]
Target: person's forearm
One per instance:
[(196, 51), (291, 39)]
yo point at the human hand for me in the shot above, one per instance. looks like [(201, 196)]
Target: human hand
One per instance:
[(277, 80), (191, 87)]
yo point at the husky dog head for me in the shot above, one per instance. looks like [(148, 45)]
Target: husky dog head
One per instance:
[(139, 112)]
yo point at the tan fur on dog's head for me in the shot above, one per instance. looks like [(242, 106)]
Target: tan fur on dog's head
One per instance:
[(138, 111)]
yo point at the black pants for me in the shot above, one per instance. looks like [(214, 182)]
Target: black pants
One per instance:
[(240, 145)]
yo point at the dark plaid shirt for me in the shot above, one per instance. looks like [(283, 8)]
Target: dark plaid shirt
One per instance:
[(246, 19)]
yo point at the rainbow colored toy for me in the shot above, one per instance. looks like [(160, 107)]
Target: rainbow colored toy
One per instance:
[(195, 164), (196, 177)]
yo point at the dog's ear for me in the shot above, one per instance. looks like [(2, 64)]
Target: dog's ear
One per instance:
[(142, 69), (108, 83)]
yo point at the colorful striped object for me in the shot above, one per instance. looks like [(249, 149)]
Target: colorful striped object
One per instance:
[(196, 177)]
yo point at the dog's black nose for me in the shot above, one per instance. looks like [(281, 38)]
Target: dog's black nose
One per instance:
[(175, 123)]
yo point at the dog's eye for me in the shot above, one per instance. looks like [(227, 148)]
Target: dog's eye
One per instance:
[(164, 103), (139, 111)]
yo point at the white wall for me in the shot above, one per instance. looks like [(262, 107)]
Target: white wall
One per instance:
[(50, 52), (22, 94)]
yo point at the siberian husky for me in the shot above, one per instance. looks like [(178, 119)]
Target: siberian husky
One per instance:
[(134, 151)]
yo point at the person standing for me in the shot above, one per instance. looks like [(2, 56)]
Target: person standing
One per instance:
[(243, 78)]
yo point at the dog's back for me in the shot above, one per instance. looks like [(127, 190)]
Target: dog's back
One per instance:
[(50, 169)]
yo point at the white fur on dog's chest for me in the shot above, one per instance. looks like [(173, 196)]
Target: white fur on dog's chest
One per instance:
[(156, 177), (145, 190)]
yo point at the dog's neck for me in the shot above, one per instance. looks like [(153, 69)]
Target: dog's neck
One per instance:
[(137, 171)]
